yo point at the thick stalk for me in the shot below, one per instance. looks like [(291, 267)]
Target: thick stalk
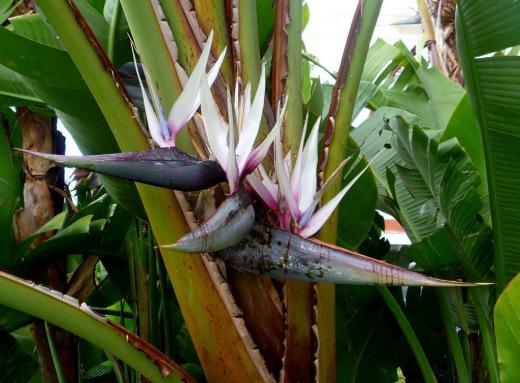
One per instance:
[(156, 56), (249, 45), (325, 293), (487, 335), (429, 31), (55, 356), (212, 16), (51, 307), (210, 324), (409, 333), (187, 45), (343, 117), (294, 119), (141, 272), (299, 352), (453, 339), (114, 24)]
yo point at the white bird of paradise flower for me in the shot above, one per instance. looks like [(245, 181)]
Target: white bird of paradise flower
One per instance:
[(164, 132), (293, 193)]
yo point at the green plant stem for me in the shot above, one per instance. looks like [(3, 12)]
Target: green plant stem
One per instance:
[(116, 367), (114, 24), (154, 53), (409, 333), (318, 64), (152, 290), (187, 44), (294, 118), (453, 339), (325, 293), (50, 307), (343, 117), (467, 355), (487, 334), (54, 354), (165, 302), (249, 45), (212, 16), (141, 272)]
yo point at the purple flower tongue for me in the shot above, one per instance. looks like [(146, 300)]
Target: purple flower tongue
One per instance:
[(168, 168)]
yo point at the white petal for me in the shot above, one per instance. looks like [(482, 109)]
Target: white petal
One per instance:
[(316, 199), (216, 131), (245, 105), (213, 72), (154, 125), (283, 179), (251, 123), (320, 217), (268, 182), (308, 179), (259, 153), (297, 171), (263, 192), (231, 169), (188, 102)]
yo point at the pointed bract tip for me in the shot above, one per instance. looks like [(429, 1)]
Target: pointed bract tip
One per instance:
[(172, 246)]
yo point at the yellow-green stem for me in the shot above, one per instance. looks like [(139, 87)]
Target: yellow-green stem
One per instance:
[(209, 322), (409, 333), (249, 45), (22, 295), (326, 292)]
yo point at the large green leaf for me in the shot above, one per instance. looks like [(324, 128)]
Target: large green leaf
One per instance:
[(356, 211), (493, 84), (507, 329), (13, 90), (52, 76), (366, 337), (436, 189)]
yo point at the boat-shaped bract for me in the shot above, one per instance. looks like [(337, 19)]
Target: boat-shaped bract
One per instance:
[(166, 167), (278, 253)]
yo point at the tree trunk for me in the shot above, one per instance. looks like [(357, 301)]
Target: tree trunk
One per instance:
[(443, 17), (40, 205)]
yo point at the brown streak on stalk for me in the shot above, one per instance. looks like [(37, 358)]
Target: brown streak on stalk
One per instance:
[(280, 65), (340, 82), (161, 360), (107, 64)]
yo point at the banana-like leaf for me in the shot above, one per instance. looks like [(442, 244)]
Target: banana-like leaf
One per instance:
[(165, 167), (66, 312), (485, 28), (507, 328), (280, 254), (436, 189), (63, 89)]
